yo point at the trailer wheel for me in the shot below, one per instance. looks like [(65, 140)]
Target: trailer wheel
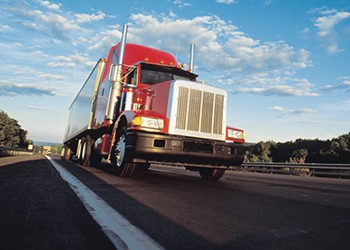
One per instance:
[(121, 158), (211, 174), (83, 153), (86, 153), (67, 153)]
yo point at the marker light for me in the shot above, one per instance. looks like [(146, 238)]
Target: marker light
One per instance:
[(235, 134)]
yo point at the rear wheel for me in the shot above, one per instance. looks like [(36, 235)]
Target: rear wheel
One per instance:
[(211, 174), (121, 157), (67, 153), (87, 151), (84, 157)]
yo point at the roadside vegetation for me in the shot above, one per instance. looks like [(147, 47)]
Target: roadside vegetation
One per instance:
[(336, 150), (11, 133)]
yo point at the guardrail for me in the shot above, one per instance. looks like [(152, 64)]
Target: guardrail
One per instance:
[(306, 169), (5, 151)]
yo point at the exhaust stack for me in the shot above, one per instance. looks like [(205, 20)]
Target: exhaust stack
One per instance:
[(191, 65), (115, 77)]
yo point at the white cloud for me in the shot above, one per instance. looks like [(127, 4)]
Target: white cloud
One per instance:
[(9, 88), (226, 1), (54, 25), (5, 28), (87, 18), (344, 86), (278, 90), (49, 5), (278, 108), (37, 108), (181, 4), (286, 110), (36, 73), (71, 61), (326, 23), (102, 42), (327, 30), (278, 86)]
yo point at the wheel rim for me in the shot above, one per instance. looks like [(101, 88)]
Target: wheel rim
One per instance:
[(83, 152), (120, 150)]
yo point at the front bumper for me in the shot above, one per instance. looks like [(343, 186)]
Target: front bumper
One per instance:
[(148, 147)]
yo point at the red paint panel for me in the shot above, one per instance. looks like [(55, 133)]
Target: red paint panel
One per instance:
[(135, 53)]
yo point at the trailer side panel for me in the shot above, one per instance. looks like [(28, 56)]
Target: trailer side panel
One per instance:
[(81, 111)]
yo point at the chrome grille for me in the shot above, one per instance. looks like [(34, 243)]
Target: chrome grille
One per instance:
[(200, 111), (218, 114), (181, 108)]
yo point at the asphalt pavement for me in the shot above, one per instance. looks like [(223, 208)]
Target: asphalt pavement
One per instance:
[(176, 208), (38, 210)]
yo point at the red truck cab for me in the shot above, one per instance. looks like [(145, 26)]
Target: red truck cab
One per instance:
[(148, 109)]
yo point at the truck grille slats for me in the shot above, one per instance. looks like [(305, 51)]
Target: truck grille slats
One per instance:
[(218, 114), (194, 110), (181, 108), (200, 111)]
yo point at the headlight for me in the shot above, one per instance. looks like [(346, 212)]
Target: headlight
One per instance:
[(147, 122), (235, 134)]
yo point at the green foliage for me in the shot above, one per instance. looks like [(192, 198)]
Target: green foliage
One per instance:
[(11, 133), (50, 149), (261, 152), (336, 150), (299, 156), (56, 149)]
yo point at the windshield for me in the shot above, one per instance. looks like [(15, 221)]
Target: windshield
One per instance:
[(151, 74)]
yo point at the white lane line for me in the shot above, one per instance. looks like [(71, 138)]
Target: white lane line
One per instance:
[(120, 231)]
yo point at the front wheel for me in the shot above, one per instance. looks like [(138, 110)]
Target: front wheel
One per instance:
[(211, 174), (121, 157)]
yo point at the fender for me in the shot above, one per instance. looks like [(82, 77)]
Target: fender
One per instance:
[(124, 119)]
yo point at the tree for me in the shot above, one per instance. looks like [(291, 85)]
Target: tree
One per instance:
[(336, 150), (260, 152), (299, 156), (11, 133)]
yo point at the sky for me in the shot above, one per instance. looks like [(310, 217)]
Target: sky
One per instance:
[(285, 64)]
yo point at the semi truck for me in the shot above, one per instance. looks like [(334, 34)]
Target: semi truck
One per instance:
[(139, 107)]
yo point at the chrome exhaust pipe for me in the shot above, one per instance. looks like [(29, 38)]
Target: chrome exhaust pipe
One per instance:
[(191, 65), (115, 75)]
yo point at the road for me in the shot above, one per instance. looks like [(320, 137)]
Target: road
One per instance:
[(174, 207)]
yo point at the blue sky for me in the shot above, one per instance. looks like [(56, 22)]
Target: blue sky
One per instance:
[(285, 64)]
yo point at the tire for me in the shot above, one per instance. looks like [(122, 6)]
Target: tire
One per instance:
[(79, 150), (87, 152), (121, 157), (67, 153), (83, 153), (211, 174)]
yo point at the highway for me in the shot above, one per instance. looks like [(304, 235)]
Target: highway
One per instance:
[(175, 208)]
